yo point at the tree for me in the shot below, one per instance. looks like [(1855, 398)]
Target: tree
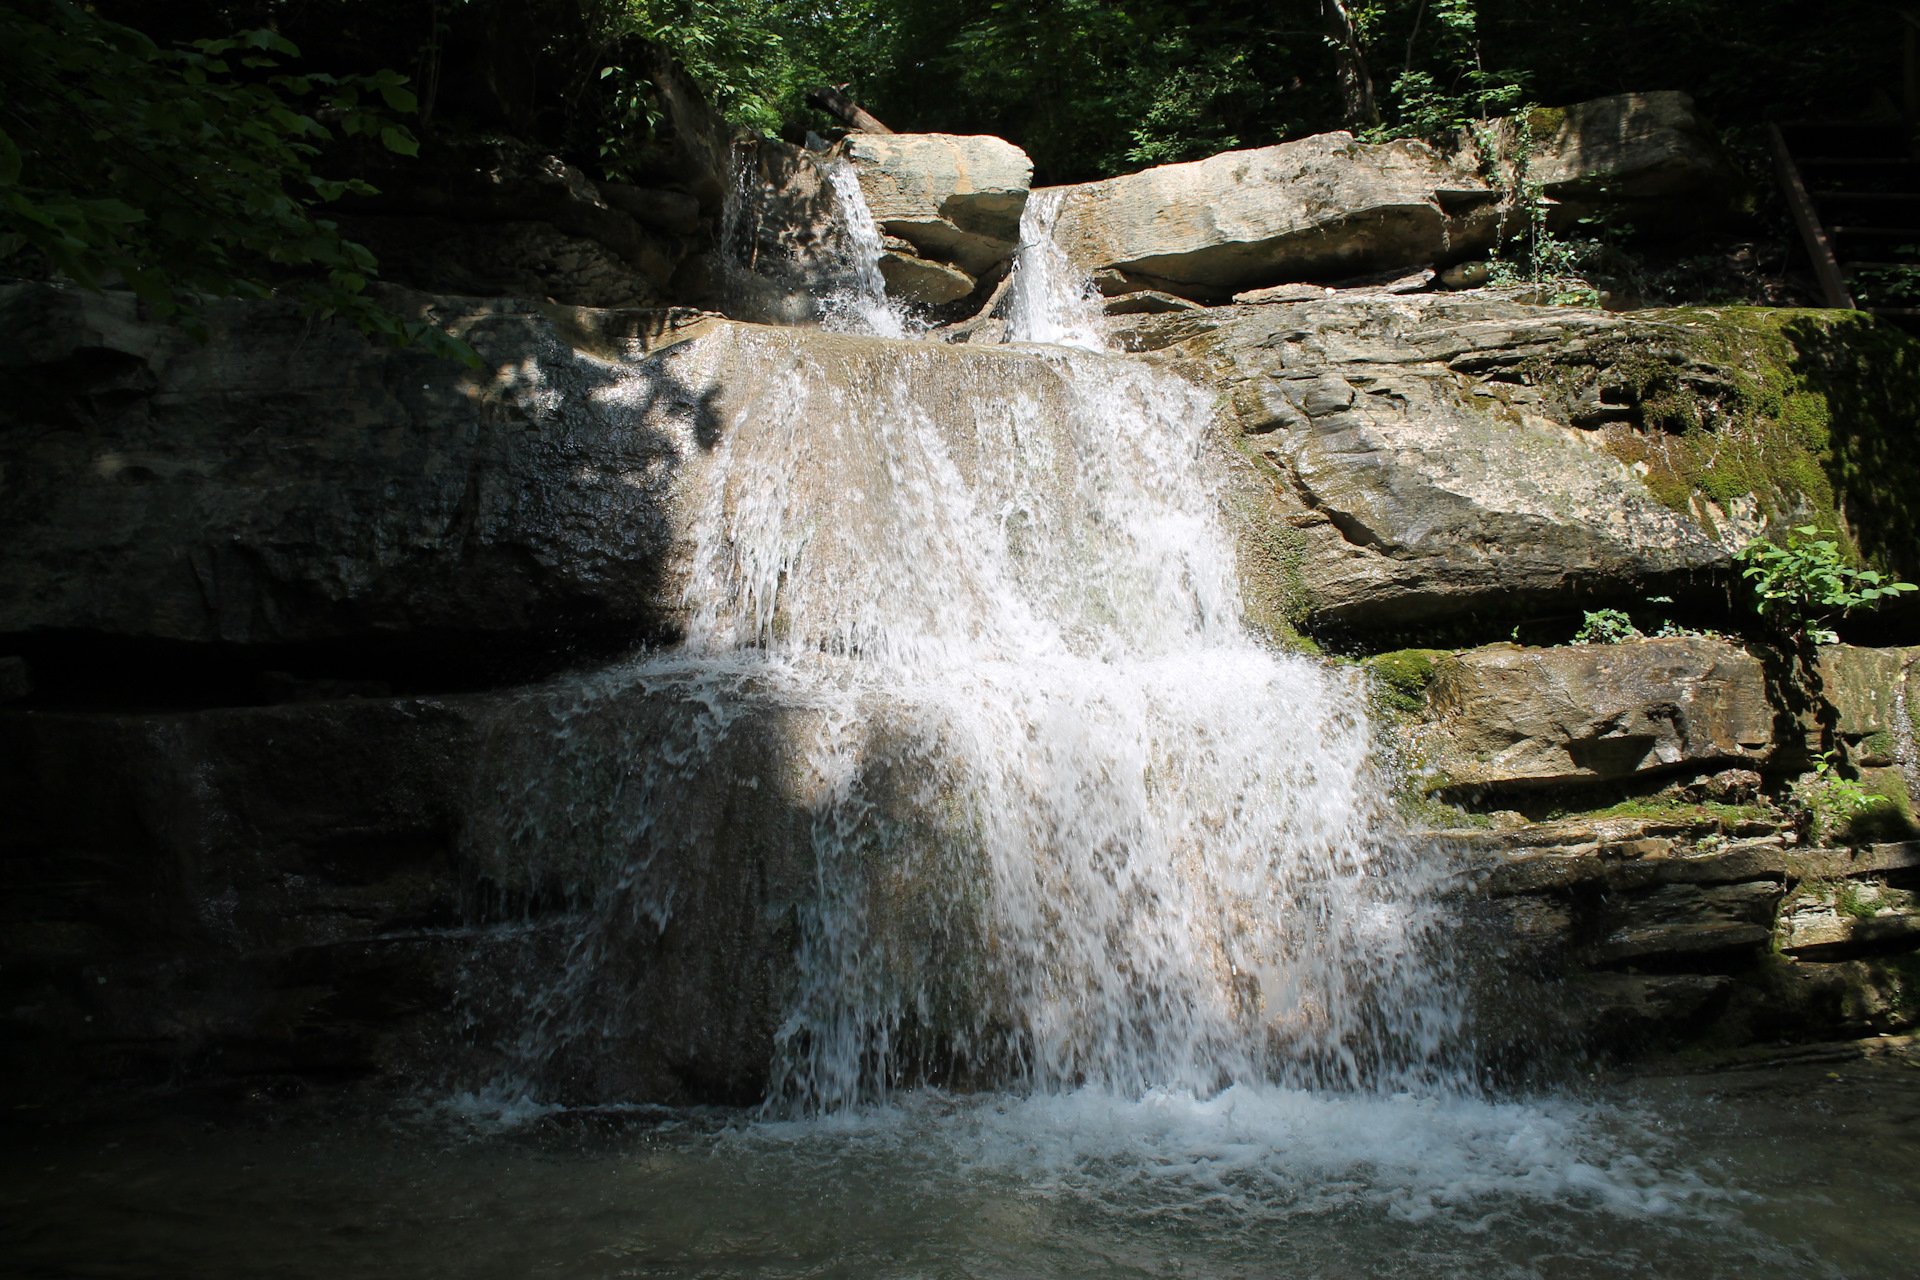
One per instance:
[(186, 172)]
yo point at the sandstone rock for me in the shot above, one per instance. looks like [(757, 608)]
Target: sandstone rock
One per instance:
[(955, 199), (782, 245), (1676, 922), (1146, 302), (1283, 293), (1505, 716), (1398, 468), (1828, 918), (1317, 209)]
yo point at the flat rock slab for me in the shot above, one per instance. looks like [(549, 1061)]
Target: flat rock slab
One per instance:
[(1323, 207), (1511, 717)]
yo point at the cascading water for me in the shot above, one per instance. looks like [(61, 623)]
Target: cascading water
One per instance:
[(1049, 300), (1070, 824), (968, 775), (859, 303)]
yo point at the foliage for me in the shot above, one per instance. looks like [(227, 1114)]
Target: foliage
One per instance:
[(736, 51), (188, 171), (1808, 584), (1605, 626), (1830, 800), (1547, 262)]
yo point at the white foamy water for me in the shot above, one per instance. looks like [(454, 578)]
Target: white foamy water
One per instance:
[(1257, 1155), (1050, 300), (1070, 824), (859, 302), (965, 649)]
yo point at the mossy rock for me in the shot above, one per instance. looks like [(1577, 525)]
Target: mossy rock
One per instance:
[(1806, 415), (1402, 676), (1892, 818)]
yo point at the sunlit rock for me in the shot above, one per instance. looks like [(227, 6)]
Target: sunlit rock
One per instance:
[(1506, 716)]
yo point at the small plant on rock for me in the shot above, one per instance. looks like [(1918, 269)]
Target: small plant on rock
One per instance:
[(1808, 585), (1606, 626), (1830, 800)]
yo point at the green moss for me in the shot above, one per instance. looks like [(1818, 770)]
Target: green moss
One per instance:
[(1657, 808), (1403, 676), (1272, 556), (1891, 820), (1545, 122), (1422, 810), (1810, 413)]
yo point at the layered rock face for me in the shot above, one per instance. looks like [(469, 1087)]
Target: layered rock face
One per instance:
[(1402, 468), (305, 643), (1511, 717)]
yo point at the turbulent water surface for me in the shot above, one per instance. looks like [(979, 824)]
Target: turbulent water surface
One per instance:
[(1806, 1171)]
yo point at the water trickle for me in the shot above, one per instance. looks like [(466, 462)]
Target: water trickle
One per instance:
[(1050, 300), (859, 302)]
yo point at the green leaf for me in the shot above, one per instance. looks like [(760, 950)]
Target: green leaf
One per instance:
[(399, 141), (399, 99)]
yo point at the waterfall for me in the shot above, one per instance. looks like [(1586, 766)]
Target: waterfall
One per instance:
[(964, 631), (859, 303), (1050, 300)]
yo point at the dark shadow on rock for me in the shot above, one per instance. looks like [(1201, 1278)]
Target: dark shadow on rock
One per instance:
[(1869, 373), (294, 496)]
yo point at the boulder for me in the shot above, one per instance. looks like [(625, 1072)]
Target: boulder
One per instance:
[(1397, 467), (915, 279), (957, 200), (1509, 717), (1632, 153), (1321, 208)]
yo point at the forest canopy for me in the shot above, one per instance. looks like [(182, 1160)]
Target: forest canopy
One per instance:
[(190, 148), (1088, 87)]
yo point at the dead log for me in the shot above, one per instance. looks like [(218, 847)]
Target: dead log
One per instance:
[(833, 100)]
